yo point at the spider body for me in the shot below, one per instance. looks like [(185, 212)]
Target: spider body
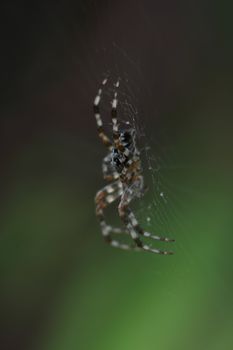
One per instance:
[(122, 169), (123, 156)]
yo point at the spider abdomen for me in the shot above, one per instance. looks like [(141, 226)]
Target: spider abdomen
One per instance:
[(118, 160)]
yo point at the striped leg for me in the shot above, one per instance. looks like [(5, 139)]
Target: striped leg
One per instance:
[(133, 227), (109, 172), (115, 126), (103, 198), (140, 230), (104, 138)]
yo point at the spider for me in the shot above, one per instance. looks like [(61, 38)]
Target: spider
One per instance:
[(122, 169)]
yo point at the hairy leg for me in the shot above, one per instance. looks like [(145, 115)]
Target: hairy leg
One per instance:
[(104, 138), (115, 126)]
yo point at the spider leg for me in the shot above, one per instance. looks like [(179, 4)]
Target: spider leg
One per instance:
[(104, 138), (109, 173), (133, 227), (133, 223), (115, 126), (140, 230), (103, 198)]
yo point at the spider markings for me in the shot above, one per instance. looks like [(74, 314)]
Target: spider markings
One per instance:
[(121, 167)]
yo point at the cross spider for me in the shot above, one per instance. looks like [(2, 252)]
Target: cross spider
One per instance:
[(122, 168)]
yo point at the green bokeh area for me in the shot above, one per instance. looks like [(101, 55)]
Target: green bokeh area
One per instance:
[(64, 286), (61, 286)]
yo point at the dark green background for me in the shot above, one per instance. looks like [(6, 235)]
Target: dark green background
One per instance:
[(61, 286)]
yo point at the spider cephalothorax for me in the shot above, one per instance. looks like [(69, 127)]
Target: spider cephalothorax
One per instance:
[(122, 168)]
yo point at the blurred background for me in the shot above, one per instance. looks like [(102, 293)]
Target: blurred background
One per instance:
[(61, 286)]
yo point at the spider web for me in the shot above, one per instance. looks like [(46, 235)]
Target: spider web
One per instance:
[(162, 209)]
